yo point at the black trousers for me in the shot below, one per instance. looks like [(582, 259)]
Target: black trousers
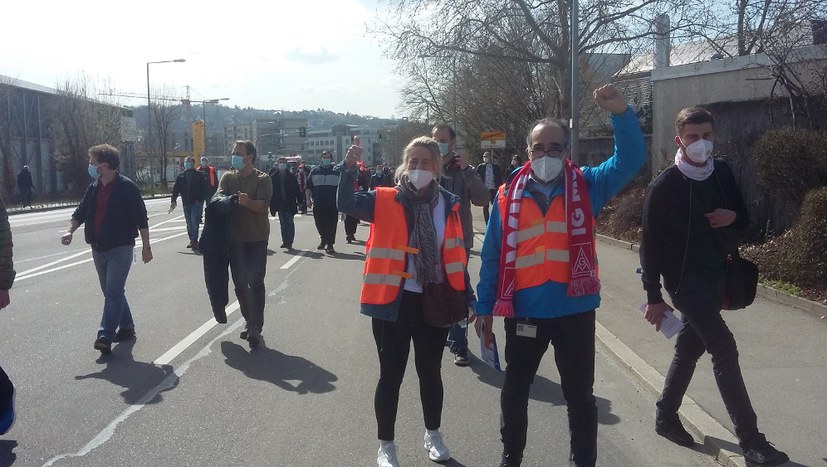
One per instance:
[(350, 225), (699, 300), (393, 342), (326, 220), (485, 209), (6, 390), (573, 340)]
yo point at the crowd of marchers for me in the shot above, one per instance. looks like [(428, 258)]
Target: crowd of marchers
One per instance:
[(539, 268)]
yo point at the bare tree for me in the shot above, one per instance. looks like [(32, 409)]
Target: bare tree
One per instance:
[(163, 117), (454, 34), (78, 122)]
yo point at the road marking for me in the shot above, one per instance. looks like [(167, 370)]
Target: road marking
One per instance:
[(169, 382), (34, 272), (176, 349), (294, 259)]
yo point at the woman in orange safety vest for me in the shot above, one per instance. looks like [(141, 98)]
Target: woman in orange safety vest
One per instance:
[(415, 239)]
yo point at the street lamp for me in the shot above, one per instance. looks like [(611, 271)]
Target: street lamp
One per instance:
[(149, 121)]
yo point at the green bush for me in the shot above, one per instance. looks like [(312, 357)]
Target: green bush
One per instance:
[(805, 262), (789, 163)]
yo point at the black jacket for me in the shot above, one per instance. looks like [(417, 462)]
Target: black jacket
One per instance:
[(291, 192), (125, 214), (218, 229), (322, 183), (192, 186), (666, 225)]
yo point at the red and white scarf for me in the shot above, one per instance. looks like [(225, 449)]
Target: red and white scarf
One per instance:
[(583, 277)]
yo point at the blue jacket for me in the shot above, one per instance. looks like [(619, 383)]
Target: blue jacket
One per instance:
[(361, 205), (604, 181)]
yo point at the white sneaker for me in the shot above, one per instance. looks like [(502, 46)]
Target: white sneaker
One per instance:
[(437, 450), (387, 456)]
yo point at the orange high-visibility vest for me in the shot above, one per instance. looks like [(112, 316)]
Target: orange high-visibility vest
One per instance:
[(542, 242), (387, 246)]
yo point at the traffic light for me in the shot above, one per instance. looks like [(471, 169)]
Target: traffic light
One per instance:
[(302, 132)]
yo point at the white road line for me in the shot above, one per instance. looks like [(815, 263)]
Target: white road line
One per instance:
[(295, 259), (169, 382), (176, 349), (34, 272)]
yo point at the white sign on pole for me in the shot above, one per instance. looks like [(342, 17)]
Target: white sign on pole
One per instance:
[(492, 144)]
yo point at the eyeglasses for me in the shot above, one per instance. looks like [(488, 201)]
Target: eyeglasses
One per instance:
[(554, 150)]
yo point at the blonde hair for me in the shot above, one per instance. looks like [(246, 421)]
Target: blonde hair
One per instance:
[(421, 142)]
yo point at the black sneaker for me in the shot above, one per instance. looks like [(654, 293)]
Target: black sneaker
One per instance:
[(669, 426), (283, 245), (124, 334), (330, 250), (765, 454), (243, 335), (321, 246), (253, 338), (511, 460), (103, 345), (461, 358)]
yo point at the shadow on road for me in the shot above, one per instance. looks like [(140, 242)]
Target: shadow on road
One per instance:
[(340, 255), (542, 390), (288, 372), (139, 378), (7, 455)]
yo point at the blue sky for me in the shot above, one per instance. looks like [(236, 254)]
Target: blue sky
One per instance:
[(282, 54)]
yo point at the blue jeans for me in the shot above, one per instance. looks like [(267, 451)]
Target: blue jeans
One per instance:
[(458, 339), (248, 264), (113, 268), (288, 228), (192, 214)]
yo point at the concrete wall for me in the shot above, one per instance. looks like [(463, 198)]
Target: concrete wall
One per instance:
[(737, 79)]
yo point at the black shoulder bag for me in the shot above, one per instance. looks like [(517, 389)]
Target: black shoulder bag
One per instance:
[(741, 282)]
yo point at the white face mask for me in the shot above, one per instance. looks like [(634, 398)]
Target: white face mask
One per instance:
[(546, 168), (699, 151), (420, 178)]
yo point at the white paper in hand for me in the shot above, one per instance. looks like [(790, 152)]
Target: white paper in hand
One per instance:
[(670, 325), (490, 355)]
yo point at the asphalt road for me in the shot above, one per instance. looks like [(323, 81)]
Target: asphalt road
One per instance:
[(189, 392)]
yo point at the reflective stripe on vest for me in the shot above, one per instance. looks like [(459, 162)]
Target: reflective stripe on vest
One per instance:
[(387, 249), (542, 243)]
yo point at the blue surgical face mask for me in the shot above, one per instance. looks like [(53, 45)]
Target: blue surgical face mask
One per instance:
[(93, 171), (237, 162), (187, 165), (443, 149), (282, 166), (326, 162)]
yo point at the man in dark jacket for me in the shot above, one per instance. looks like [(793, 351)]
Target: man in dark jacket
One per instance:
[(194, 190), (322, 184), (25, 185), (460, 179), (114, 213), (382, 177), (284, 201), (492, 176), (692, 215)]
